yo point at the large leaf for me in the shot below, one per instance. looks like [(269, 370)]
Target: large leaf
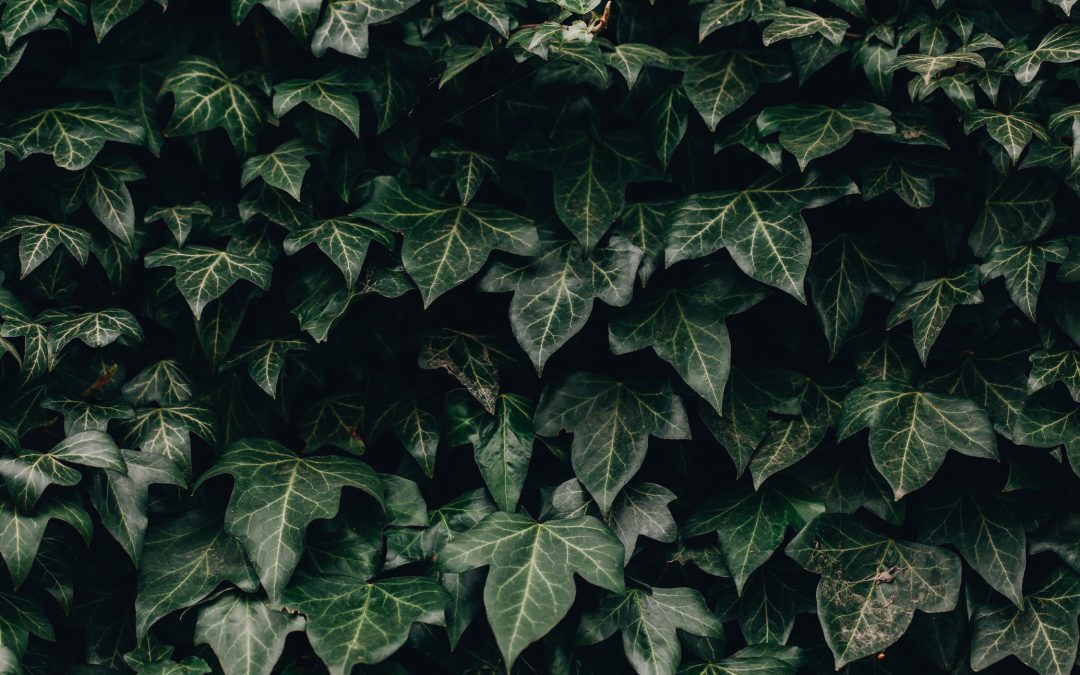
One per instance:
[(71, 133), (247, 636), (871, 584), (611, 422), (445, 244), (761, 227), (206, 97), (911, 430), (276, 495), (530, 584)]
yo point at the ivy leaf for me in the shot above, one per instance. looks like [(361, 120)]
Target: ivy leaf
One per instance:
[(909, 176), (911, 430), (332, 94), (299, 16), (871, 584), (530, 584), (668, 117), (931, 65), (988, 534), (685, 326), (265, 360), (80, 416), (994, 381), (630, 58), (844, 271), (344, 240), (1055, 365), (470, 168), (502, 442), (1060, 45), (39, 239), (611, 422), (751, 524), (720, 83), (350, 622), (811, 131), (771, 600), (1049, 420), (929, 304), (275, 497), (95, 329), (494, 13), (283, 168), (1024, 267), (1012, 131), (166, 430), (184, 559), (554, 293), (23, 17), (344, 26), (28, 474), (71, 133), (1019, 209), (649, 622), (103, 187), (21, 534), (206, 97), (203, 274), (642, 225), (445, 244), (761, 227), (473, 360), (163, 383), (1042, 633), (794, 22), (120, 498), (23, 617), (723, 13), (247, 636), (105, 14), (591, 174), (179, 219), (642, 510)]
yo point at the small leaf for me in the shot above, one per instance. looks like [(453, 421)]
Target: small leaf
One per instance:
[(929, 304)]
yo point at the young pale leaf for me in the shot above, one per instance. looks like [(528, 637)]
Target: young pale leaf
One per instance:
[(761, 227), (1042, 633), (685, 326), (351, 622), (649, 621), (445, 244), (811, 131), (247, 636), (203, 274), (184, 560), (929, 304), (911, 430), (871, 584), (611, 422), (275, 497), (530, 585)]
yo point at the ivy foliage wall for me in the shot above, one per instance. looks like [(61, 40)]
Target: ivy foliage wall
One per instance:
[(424, 336)]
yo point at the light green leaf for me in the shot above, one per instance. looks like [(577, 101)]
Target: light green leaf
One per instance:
[(351, 622), (71, 133), (445, 244), (275, 497), (299, 16), (203, 274), (80, 415), (811, 131), (649, 622), (530, 585), (761, 227), (929, 304), (344, 26), (723, 13), (184, 559), (611, 422), (1012, 131), (911, 430)]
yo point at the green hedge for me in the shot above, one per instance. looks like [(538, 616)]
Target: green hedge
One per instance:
[(554, 337)]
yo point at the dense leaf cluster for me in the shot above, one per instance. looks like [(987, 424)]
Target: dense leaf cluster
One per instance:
[(539, 336)]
